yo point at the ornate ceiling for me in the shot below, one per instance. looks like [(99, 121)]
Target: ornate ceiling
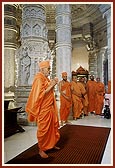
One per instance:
[(82, 14)]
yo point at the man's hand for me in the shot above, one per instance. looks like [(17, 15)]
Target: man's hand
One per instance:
[(54, 81)]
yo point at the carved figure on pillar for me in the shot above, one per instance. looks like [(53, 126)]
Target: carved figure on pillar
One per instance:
[(46, 51), (25, 66)]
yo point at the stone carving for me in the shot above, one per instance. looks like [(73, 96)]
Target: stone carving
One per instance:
[(45, 32), (46, 51), (27, 12), (34, 12), (37, 30), (27, 29), (25, 66)]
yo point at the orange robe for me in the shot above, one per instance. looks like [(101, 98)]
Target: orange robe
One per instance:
[(42, 108), (91, 93), (85, 100), (109, 87), (65, 104), (99, 99), (77, 100)]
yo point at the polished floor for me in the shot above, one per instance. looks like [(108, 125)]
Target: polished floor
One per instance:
[(17, 143)]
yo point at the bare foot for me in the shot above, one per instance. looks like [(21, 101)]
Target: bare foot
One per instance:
[(43, 154), (56, 147)]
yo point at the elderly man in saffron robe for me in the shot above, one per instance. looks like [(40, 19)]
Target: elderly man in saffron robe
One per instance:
[(99, 99), (41, 107), (65, 98), (78, 92)]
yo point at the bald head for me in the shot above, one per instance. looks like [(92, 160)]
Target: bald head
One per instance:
[(92, 77), (98, 79)]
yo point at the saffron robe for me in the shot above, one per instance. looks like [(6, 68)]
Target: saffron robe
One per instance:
[(91, 93), (41, 107), (99, 99), (65, 105), (109, 87), (77, 104), (85, 100)]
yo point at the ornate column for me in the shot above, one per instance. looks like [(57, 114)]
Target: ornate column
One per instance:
[(34, 47), (34, 44), (10, 45), (93, 63), (63, 40), (100, 63), (106, 10), (109, 21)]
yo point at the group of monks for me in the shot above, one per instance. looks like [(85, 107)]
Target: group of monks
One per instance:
[(80, 96), (41, 104)]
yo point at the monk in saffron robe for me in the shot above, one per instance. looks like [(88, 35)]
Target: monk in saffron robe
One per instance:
[(41, 107), (91, 92), (85, 97), (78, 91), (65, 98), (99, 99)]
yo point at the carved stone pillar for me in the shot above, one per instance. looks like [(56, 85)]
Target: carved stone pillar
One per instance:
[(106, 10), (108, 16), (63, 40), (34, 48), (100, 63), (10, 46), (93, 63), (34, 43)]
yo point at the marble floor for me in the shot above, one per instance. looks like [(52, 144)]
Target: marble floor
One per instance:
[(17, 143)]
